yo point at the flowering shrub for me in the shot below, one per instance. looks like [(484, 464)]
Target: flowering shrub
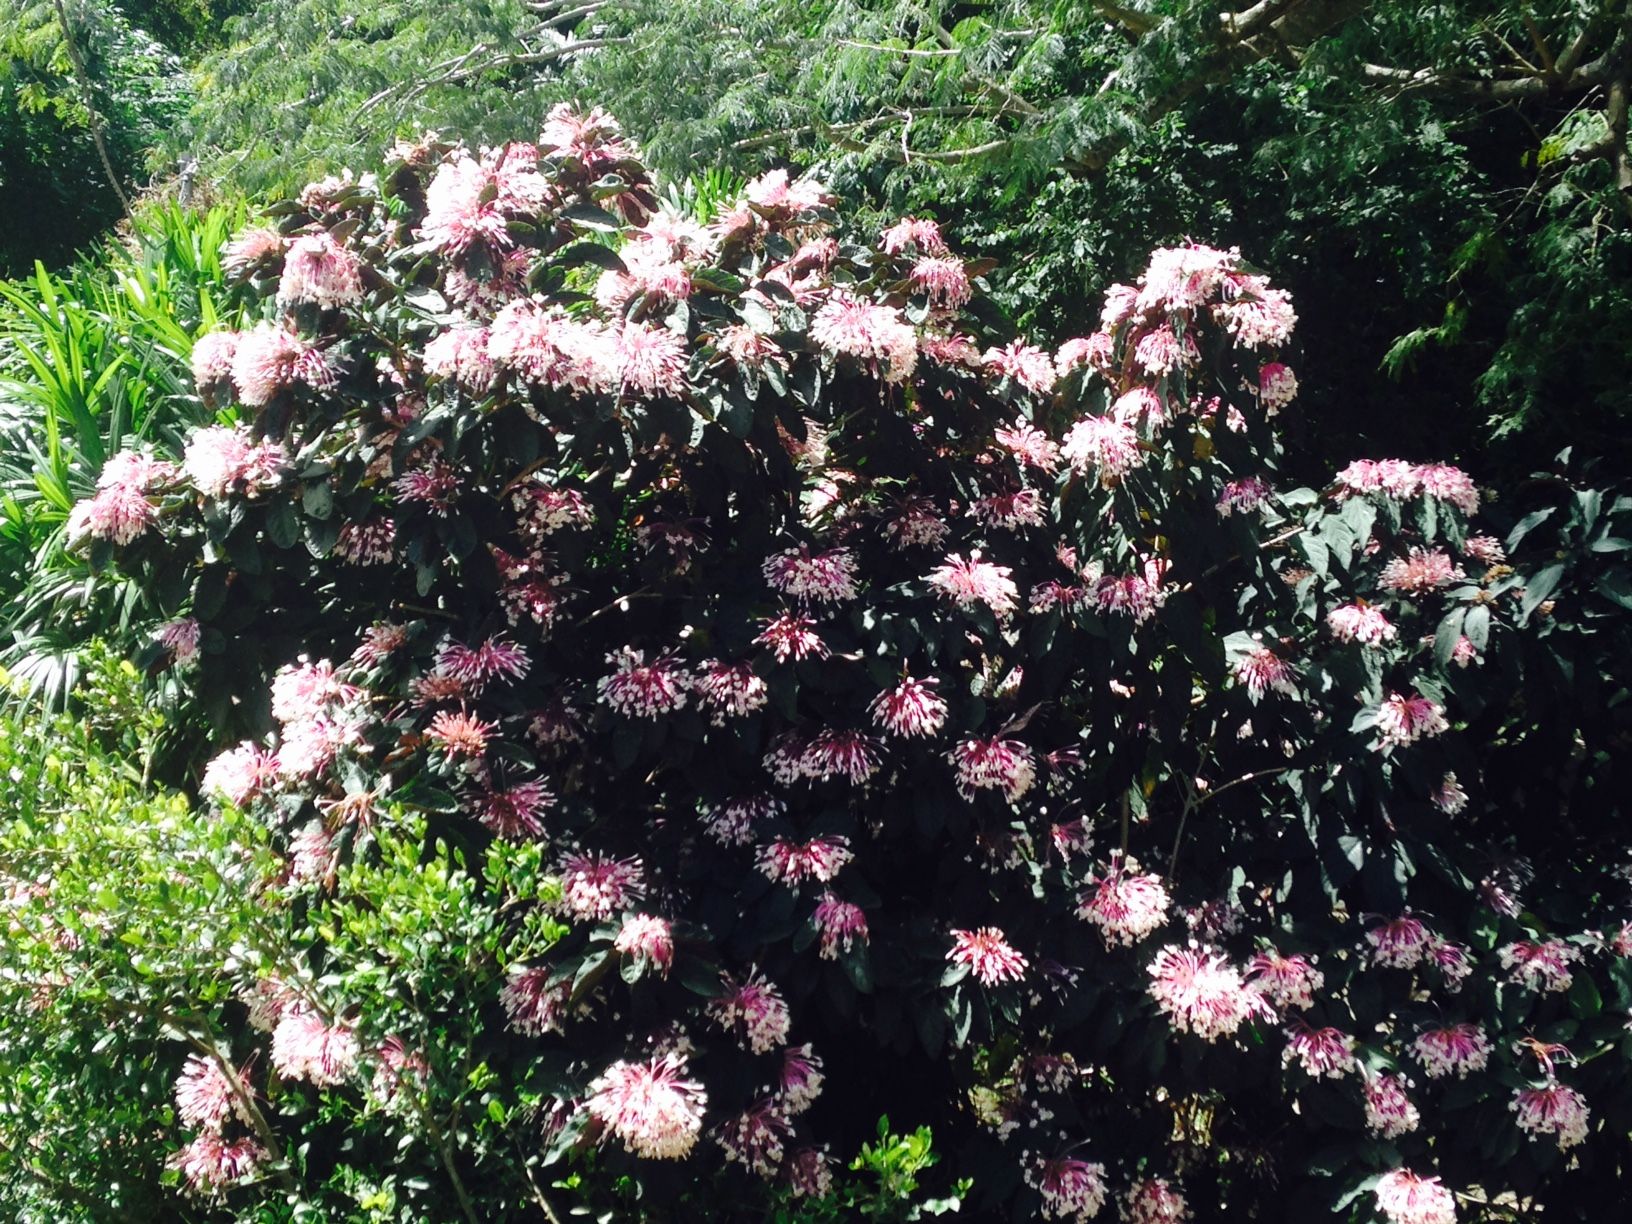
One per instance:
[(838, 706)]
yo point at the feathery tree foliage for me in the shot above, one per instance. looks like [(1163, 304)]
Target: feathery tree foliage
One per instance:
[(1452, 179)]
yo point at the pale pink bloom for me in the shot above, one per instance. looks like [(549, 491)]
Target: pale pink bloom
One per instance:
[(1484, 548), (1201, 992), (1243, 496), (329, 193), (397, 1069), (464, 208), (988, 955), (753, 1009), (312, 854), (1448, 796), (219, 459), (250, 249), (204, 1095), (649, 360), (545, 345), (1135, 595), (1182, 278), (755, 1138), (1400, 943), (180, 638), (1449, 484), (436, 688), (1009, 511), (748, 349), (1456, 1047), (533, 1004), (789, 862), (1160, 351), (319, 271), (729, 690), (650, 1106), (594, 886), (950, 350), (820, 577), (801, 1080), (240, 773), (1405, 1198), (1125, 907), (1464, 652), (1261, 671), (555, 724), (1154, 1201), (808, 1173), (271, 359), (543, 510), (1554, 1110), (1454, 962), (1405, 720), (461, 354), (460, 735), (304, 1047), (942, 280), (920, 233), (1542, 966), (876, 335), (1389, 1111), (732, 823), (792, 637), (1118, 308), (1421, 571), (637, 689), (1071, 1190), (915, 524), (1139, 406), (911, 708), (776, 191), (1322, 1053), (1277, 387), (305, 690), (1360, 622), (1259, 315), (972, 582), (210, 1163), (266, 1000), (591, 137), (840, 924), (1006, 765), (434, 485), (1048, 595), (1096, 351), (212, 359), (1394, 478), (496, 658), (648, 940), (369, 543), (1104, 445), (1026, 364), (649, 270), (516, 812), (843, 754), (1030, 445)]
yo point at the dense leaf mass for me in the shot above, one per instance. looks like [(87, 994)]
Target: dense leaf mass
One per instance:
[(777, 694)]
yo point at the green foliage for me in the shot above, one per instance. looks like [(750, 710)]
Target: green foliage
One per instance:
[(55, 197), (91, 361), (122, 907)]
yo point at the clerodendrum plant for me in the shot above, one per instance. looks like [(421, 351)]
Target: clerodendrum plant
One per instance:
[(844, 708)]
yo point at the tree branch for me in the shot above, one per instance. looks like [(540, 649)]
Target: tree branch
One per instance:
[(83, 80)]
